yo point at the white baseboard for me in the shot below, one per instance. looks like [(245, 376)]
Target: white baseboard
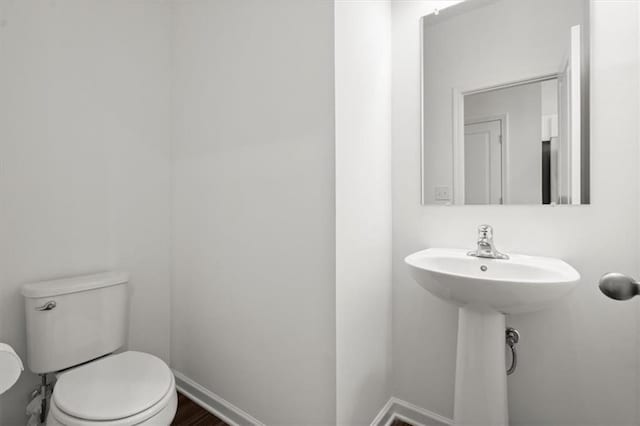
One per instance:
[(397, 409), (385, 414), (394, 408), (213, 403)]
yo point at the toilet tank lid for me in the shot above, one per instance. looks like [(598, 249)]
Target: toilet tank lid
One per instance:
[(75, 284)]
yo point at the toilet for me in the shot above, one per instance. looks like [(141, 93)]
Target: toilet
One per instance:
[(74, 328)]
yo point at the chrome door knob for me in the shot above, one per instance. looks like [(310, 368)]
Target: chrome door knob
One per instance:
[(618, 286)]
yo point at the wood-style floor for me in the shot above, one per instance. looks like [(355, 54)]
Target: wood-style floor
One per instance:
[(191, 414)]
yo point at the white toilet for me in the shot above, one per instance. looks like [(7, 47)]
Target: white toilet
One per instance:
[(74, 326)]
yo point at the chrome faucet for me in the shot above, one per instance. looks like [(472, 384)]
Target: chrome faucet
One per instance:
[(486, 248)]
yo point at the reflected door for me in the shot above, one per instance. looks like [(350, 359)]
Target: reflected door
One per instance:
[(483, 162)]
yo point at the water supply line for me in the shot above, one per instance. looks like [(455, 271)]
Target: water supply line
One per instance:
[(512, 338), (43, 394)]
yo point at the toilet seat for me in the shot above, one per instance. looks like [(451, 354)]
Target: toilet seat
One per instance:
[(129, 388)]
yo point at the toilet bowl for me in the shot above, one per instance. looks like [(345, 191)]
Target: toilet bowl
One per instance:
[(130, 388)]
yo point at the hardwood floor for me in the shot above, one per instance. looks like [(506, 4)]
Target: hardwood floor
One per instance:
[(191, 414), (398, 422)]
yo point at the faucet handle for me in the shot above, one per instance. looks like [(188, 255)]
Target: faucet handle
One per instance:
[(485, 232)]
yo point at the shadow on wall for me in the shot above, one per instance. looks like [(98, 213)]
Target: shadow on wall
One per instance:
[(362, 412)]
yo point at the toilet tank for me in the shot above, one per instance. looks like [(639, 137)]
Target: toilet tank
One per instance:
[(74, 320)]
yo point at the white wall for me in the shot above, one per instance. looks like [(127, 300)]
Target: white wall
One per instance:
[(363, 208), (84, 159), (578, 361), (253, 300)]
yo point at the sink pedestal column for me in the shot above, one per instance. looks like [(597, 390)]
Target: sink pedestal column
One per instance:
[(481, 378)]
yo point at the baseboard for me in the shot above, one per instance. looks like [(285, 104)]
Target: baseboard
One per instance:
[(397, 409), (394, 409), (213, 403)]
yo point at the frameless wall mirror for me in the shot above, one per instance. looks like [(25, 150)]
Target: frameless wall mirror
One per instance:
[(505, 103)]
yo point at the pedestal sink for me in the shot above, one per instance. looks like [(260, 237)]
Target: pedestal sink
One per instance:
[(486, 290)]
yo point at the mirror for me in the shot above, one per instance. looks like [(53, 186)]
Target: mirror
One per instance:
[(505, 103)]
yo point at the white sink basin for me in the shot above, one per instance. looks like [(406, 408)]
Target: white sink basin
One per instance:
[(519, 284), (486, 290)]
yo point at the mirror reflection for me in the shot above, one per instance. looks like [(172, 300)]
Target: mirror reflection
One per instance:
[(505, 103)]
